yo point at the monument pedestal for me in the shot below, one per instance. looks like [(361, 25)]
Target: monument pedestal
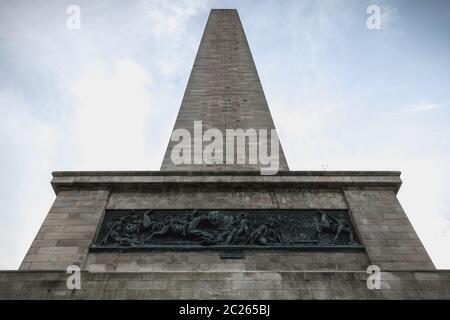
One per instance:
[(73, 223)]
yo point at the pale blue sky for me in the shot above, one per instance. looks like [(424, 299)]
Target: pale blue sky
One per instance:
[(105, 97)]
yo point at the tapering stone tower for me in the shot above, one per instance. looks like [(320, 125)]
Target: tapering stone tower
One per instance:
[(224, 230), (223, 92)]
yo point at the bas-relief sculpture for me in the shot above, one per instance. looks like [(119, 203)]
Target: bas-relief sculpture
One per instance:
[(173, 229)]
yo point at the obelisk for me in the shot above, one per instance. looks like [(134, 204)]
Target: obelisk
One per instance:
[(224, 91), (200, 231)]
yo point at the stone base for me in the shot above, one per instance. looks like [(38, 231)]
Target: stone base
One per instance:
[(70, 228), (72, 223), (225, 285)]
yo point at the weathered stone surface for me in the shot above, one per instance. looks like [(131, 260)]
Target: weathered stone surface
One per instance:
[(383, 227), (132, 181), (224, 90), (385, 230), (67, 231), (225, 285)]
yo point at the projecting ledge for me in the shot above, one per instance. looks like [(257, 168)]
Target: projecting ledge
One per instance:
[(139, 180)]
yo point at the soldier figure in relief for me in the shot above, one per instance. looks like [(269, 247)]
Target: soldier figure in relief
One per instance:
[(332, 225)]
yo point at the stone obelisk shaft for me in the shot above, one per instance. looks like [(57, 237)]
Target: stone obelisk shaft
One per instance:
[(224, 90)]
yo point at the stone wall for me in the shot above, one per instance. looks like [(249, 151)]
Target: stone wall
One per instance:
[(386, 232), (72, 222), (224, 198), (225, 285), (67, 231), (211, 261)]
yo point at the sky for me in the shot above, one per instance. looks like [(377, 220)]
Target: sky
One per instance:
[(105, 96)]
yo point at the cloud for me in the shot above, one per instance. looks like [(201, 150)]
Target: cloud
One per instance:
[(389, 16), (169, 18), (112, 109), (28, 147), (312, 25), (415, 109), (169, 22)]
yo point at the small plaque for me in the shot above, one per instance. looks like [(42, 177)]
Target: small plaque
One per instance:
[(231, 254)]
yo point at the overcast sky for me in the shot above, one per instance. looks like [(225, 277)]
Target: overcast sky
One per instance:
[(105, 97)]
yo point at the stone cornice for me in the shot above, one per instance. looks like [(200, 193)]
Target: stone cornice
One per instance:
[(139, 180)]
